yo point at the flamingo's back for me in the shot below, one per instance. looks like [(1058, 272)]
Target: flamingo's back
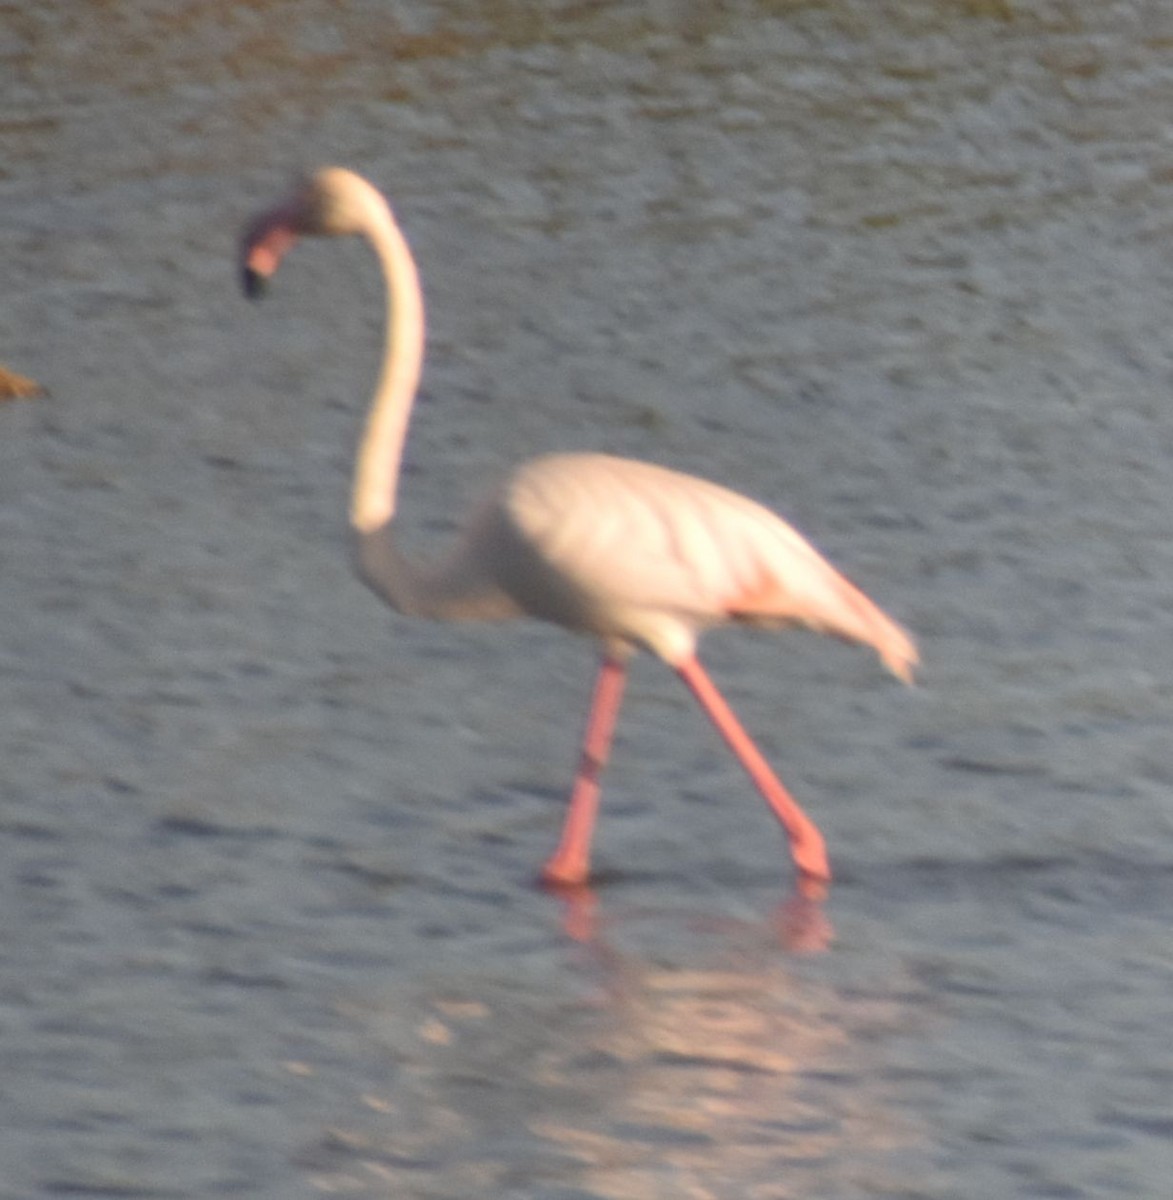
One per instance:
[(636, 552)]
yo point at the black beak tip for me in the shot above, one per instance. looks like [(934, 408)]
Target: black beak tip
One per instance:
[(253, 283)]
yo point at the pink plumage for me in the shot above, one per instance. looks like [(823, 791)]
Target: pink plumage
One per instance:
[(634, 554), (640, 553)]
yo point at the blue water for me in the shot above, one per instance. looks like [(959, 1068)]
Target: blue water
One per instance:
[(898, 270)]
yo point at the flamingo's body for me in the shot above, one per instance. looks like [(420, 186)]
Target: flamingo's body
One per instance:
[(632, 553)]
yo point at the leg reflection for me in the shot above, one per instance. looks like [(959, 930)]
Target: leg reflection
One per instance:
[(800, 921)]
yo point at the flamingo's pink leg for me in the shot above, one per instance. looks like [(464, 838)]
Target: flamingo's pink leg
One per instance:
[(806, 842), (570, 863)]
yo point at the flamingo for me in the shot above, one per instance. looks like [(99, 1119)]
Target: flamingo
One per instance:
[(633, 554), (13, 385)]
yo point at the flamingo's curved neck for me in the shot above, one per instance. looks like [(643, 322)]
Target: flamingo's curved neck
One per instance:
[(452, 589), (380, 451)]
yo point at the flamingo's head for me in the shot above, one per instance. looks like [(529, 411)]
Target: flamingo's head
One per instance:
[(331, 203)]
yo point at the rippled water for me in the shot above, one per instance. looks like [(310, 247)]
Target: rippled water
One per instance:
[(900, 270)]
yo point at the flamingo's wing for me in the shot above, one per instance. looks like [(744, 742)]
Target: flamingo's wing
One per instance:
[(641, 551)]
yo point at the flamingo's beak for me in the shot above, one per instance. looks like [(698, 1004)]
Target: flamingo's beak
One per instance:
[(253, 282), (265, 243)]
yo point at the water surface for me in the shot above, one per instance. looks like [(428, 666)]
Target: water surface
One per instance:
[(900, 271)]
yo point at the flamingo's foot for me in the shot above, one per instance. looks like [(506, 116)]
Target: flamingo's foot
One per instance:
[(563, 872), (813, 888), (566, 878), (810, 857)]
